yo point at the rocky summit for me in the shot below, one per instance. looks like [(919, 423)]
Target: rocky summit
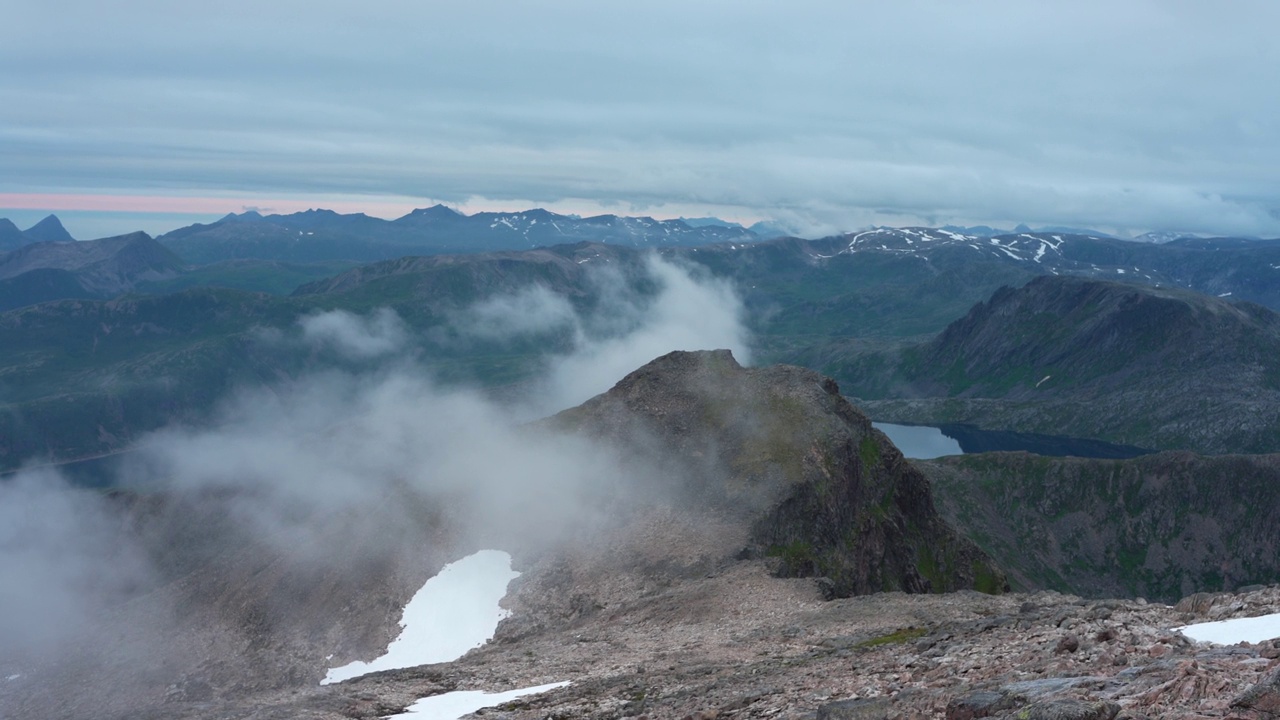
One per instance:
[(779, 449)]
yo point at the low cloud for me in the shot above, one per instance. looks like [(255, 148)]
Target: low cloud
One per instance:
[(354, 337), (689, 311), (339, 466), (64, 557), (532, 311)]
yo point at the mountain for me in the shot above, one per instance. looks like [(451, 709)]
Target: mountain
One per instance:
[(44, 271), (1153, 367), (704, 221), (323, 235), (1159, 236), (975, 230), (11, 238), (779, 448), (1160, 526), (1243, 269), (766, 229), (1236, 268), (49, 230), (1066, 230)]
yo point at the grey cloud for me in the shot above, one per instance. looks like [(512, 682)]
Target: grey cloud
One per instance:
[(532, 311), (63, 558), (358, 338), (689, 313), (828, 112)]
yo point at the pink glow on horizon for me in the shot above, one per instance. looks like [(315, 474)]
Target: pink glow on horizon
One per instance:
[(380, 207)]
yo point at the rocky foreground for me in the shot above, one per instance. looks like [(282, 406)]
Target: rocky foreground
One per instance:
[(738, 643)]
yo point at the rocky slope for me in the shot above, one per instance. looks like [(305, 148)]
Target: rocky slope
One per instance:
[(1159, 526), (737, 643), (1132, 364)]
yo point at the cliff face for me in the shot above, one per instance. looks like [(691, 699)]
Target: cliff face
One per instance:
[(1159, 526), (779, 450)]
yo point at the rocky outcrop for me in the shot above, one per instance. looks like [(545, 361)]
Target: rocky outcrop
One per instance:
[(778, 449)]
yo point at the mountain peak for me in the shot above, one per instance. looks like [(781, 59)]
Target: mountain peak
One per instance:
[(49, 229), (435, 211), (11, 238), (246, 216), (712, 417)]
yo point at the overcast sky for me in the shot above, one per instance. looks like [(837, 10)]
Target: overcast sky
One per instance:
[(1129, 115)]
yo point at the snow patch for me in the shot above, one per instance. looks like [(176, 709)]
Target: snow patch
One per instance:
[(453, 612), (1230, 632), (462, 702)]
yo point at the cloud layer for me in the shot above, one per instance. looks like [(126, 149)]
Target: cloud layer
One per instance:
[(824, 115)]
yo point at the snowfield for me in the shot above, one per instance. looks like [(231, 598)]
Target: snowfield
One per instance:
[(450, 706), (1230, 632), (453, 612)]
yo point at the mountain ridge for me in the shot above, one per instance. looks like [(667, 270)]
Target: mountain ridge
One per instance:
[(326, 235), (1077, 355)]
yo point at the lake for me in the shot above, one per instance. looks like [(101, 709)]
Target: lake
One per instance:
[(924, 442)]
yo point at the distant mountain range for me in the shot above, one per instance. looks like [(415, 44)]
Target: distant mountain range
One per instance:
[(320, 235), (47, 230), (1239, 268)]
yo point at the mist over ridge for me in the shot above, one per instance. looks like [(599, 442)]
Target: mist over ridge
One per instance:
[(334, 469)]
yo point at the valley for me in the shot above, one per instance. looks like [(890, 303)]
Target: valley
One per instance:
[(696, 532)]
